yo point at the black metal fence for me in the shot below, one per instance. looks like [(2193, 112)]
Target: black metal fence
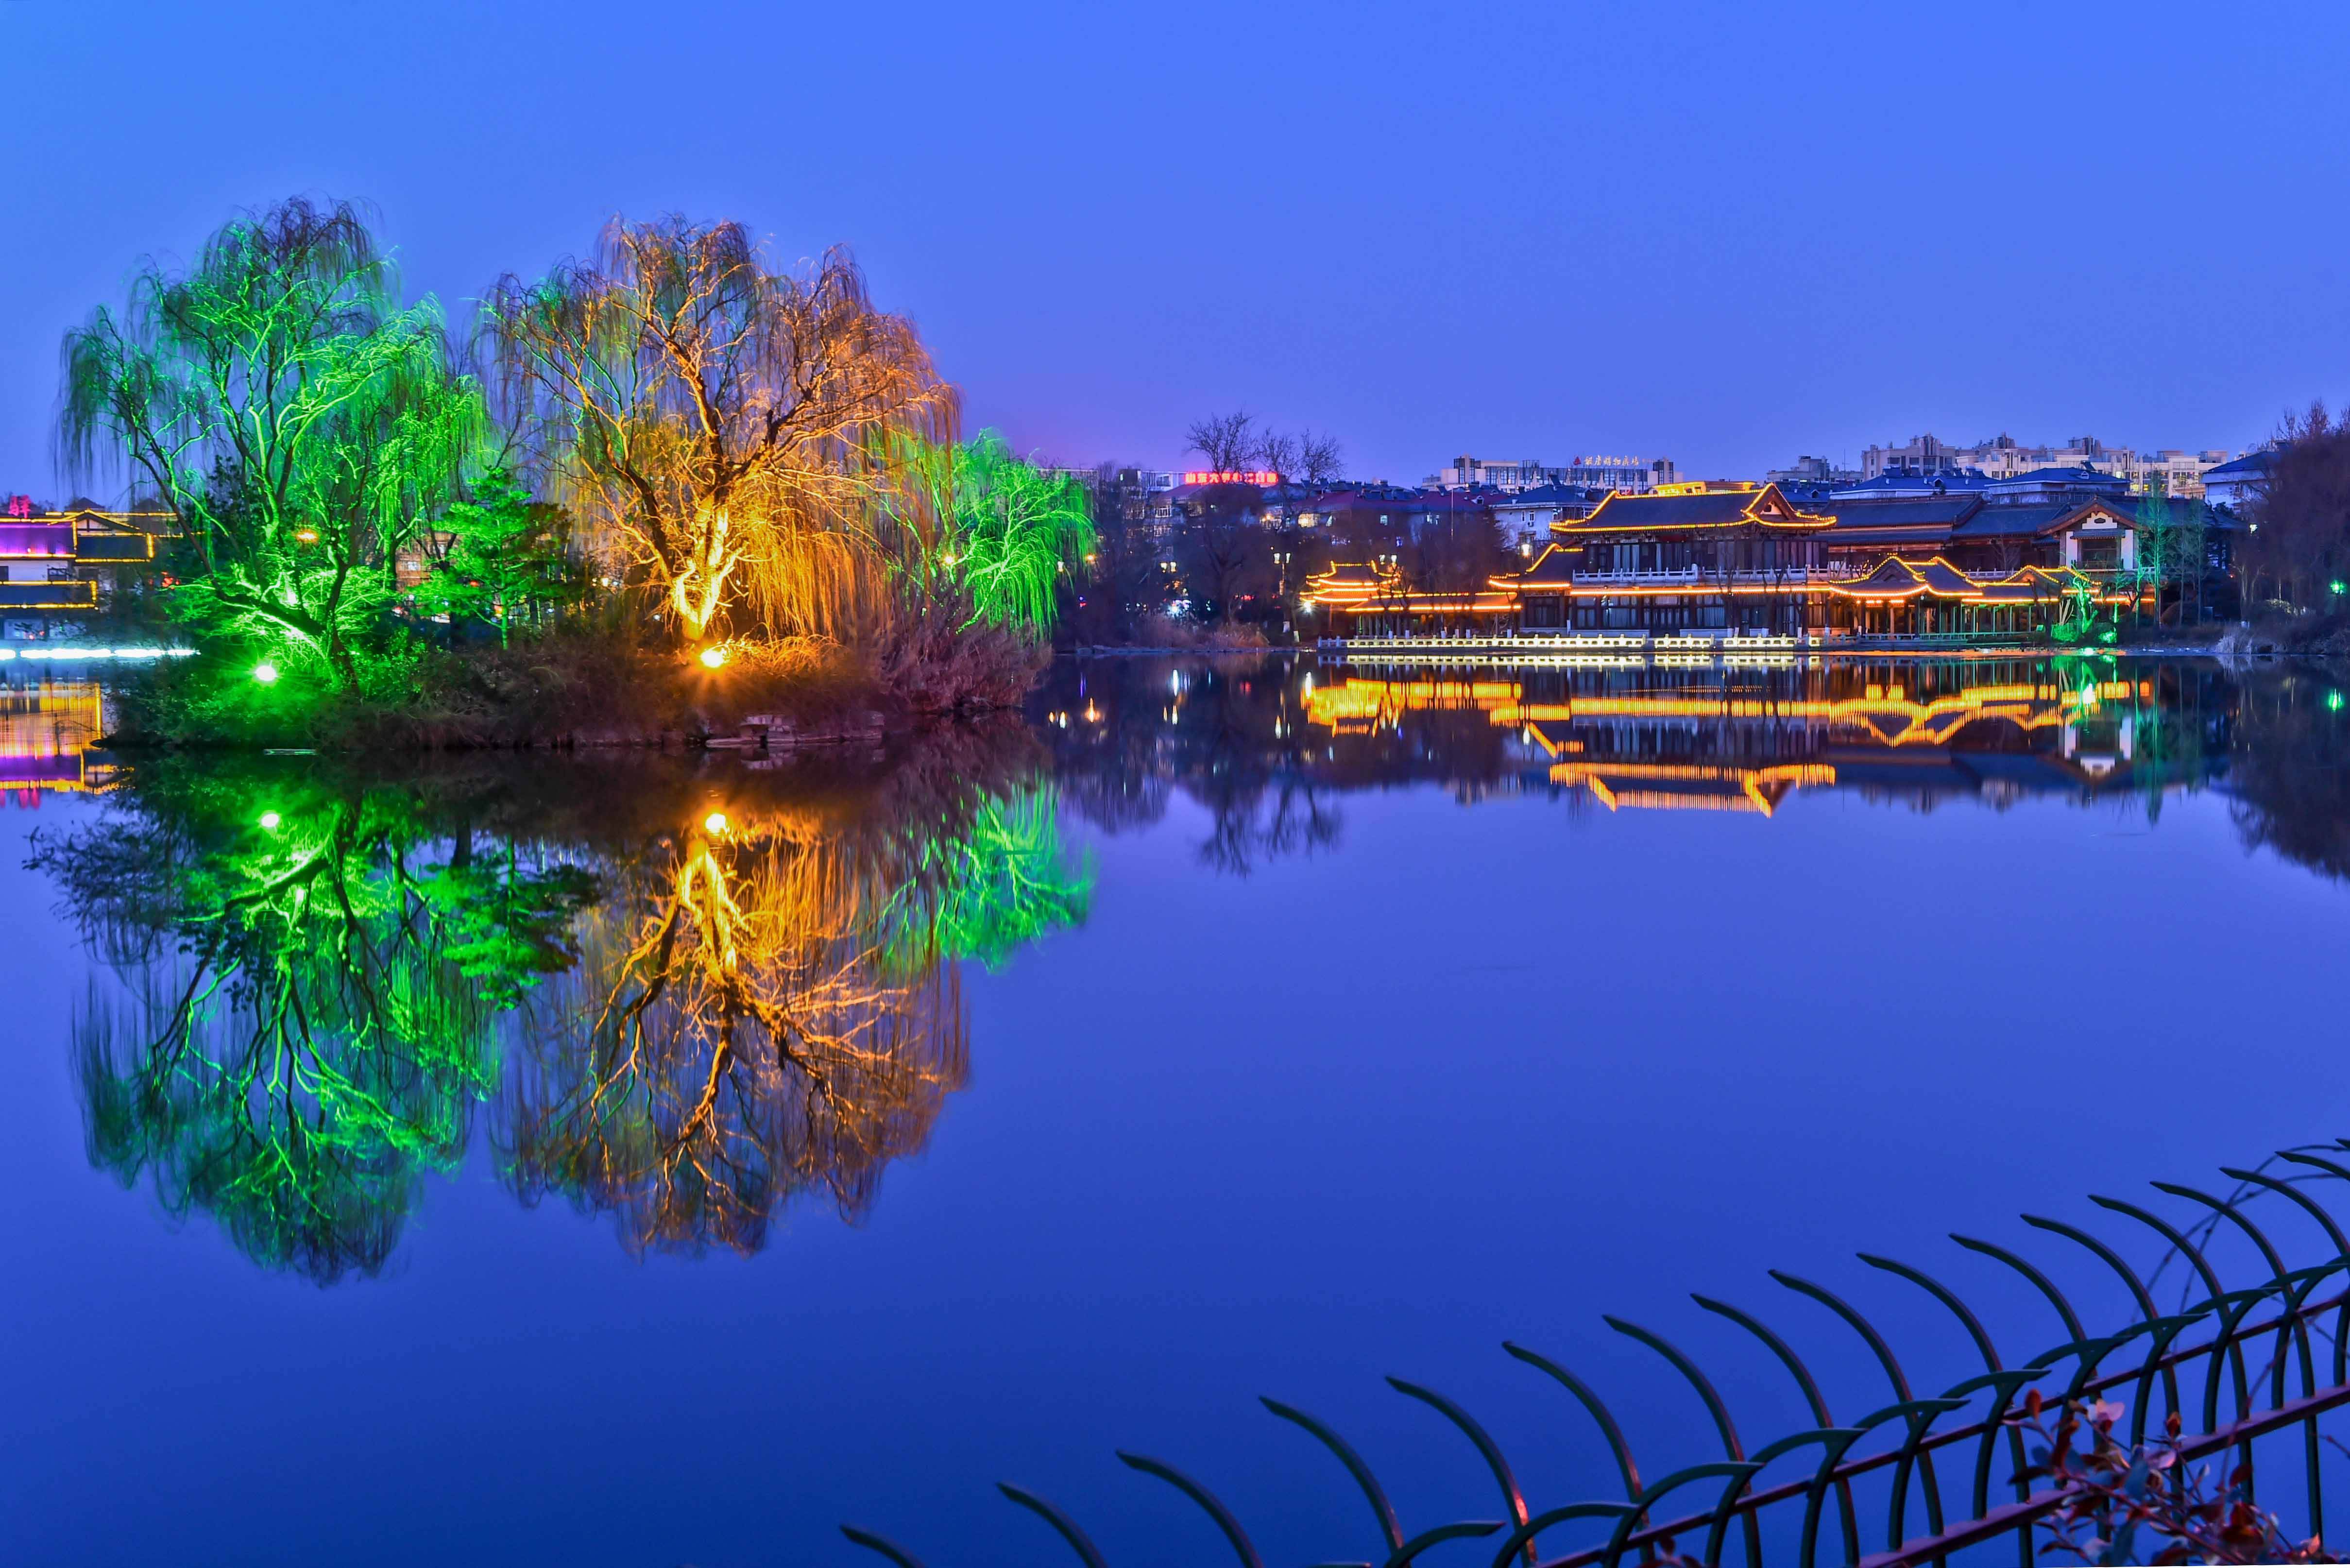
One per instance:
[(2235, 1362)]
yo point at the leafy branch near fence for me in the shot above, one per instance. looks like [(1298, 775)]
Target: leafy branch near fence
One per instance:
[(2146, 1502)]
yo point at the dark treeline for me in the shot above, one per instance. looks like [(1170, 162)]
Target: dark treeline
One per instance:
[(2297, 554), (1226, 562)]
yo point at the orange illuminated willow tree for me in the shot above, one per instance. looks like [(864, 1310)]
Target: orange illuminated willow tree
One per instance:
[(714, 424), (767, 1003)]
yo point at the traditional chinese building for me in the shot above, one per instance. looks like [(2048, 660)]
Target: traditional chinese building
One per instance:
[(52, 561), (1719, 559), (1744, 739), (1374, 601)]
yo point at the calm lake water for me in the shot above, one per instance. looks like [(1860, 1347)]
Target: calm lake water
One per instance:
[(405, 1167)]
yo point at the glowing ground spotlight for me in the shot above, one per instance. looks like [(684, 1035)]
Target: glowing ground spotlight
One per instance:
[(270, 819), (715, 823), (713, 658), (266, 672)]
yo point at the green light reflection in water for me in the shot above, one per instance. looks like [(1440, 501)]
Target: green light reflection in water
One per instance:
[(315, 984)]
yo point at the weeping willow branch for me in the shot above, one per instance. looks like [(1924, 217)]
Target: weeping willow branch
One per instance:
[(977, 522), (299, 424), (713, 422)]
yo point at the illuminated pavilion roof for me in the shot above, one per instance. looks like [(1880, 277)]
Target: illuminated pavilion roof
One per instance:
[(1675, 508), (1896, 578)]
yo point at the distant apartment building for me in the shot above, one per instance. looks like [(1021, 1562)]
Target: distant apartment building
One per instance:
[(1525, 516), (2238, 483), (2173, 472), (2169, 472), (1812, 470), (1631, 475), (1133, 495), (1923, 455)]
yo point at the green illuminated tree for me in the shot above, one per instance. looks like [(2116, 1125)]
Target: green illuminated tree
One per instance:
[(2171, 553), (984, 524), (990, 889), (508, 559), (684, 1017), (306, 1015), (298, 421)]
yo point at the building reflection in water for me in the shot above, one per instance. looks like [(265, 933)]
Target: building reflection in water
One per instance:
[(1263, 746), (691, 995), (681, 995), (1743, 738), (47, 729)]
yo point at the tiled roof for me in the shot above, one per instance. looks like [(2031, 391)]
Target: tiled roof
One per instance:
[(1701, 509), (1910, 512), (1896, 578), (1549, 496), (1552, 568), (2009, 522), (2252, 465), (1902, 483)]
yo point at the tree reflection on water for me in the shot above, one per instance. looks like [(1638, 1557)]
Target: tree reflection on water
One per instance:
[(689, 995), (683, 995)]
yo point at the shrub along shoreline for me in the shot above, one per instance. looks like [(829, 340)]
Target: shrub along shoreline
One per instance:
[(575, 689)]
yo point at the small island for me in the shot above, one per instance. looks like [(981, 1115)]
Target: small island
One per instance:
[(664, 492)]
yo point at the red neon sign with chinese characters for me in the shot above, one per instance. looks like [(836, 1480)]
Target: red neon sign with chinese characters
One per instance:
[(1220, 476)]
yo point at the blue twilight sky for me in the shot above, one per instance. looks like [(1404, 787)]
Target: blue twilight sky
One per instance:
[(1726, 233)]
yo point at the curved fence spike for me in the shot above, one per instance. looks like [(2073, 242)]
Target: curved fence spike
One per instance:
[(2228, 1208), (1060, 1521), (1833, 1441), (1512, 1500), (2315, 1162), (2342, 1322), (1778, 1347), (1697, 1380), (890, 1549), (1467, 1530), (1948, 1298), (2225, 1343), (1681, 1364), (1524, 1535), (1919, 1416), (2147, 1310), (1592, 1403), (2003, 1386), (1845, 1516), (1390, 1531), (2039, 1282), (2147, 1313), (2292, 1332), (2227, 1211), (1208, 1502), (2292, 1194), (1736, 1471), (1929, 1483), (2170, 1233), (1860, 1326)]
